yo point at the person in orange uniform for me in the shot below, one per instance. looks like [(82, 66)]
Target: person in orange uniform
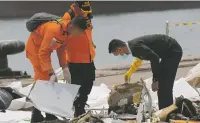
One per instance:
[(80, 53), (46, 38)]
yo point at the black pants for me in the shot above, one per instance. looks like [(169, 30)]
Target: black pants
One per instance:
[(82, 74), (168, 69)]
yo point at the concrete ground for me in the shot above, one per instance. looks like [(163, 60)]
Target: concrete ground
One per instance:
[(115, 74), (119, 79)]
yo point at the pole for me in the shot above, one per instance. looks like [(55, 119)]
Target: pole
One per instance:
[(167, 27)]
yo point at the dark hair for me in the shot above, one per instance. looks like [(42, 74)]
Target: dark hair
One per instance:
[(80, 22), (114, 44)]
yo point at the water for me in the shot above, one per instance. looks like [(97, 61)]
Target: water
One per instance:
[(124, 26)]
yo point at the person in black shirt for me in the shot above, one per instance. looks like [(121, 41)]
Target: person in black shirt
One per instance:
[(163, 52)]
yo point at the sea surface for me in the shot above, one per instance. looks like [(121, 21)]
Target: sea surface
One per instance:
[(124, 26)]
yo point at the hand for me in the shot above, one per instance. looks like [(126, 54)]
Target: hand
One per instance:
[(53, 78), (155, 86), (67, 75), (127, 76), (85, 6), (75, 8)]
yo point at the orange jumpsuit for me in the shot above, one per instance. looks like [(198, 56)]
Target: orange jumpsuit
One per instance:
[(80, 49), (46, 38)]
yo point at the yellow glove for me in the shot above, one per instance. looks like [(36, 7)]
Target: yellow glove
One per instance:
[(134, 66)]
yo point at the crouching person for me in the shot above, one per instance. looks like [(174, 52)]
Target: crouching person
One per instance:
[(42, 41)]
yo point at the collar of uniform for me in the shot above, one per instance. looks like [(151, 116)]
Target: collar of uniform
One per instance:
[(129, 50)]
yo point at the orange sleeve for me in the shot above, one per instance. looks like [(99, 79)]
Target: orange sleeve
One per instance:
[(66, 16), (50, 31), (62, 55)]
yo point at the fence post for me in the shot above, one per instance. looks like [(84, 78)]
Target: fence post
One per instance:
[(167, 27)]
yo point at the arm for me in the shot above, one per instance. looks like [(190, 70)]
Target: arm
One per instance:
[(135, 65), (63, 60), (148, 54), (73, 11), (45, 52), (62, 56)]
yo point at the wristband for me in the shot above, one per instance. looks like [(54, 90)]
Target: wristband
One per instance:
[(50, 74)]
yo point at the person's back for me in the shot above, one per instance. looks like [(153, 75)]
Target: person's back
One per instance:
[(159, 43), (46, 38), (37, 36)]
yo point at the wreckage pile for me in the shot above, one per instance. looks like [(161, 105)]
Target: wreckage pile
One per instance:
[(124, 98), (183, 110), (85, 118)]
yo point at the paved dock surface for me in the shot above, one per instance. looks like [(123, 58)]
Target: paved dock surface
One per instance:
[(115, 74), (118, 79)]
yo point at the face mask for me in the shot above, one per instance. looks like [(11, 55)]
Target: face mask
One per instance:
[(123, 57)]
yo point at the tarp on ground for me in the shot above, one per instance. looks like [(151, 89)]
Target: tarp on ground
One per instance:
[(15, 117), (54, 98), (59, 94)]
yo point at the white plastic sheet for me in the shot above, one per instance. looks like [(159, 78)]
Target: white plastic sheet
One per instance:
[(15, 117), (54, 98), (98, 97), (110, 120), (17, 85), (181, 87), (20, 103)]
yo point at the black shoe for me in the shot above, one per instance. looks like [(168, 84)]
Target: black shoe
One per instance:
[(36, 116), (50, 117), (83, 111), (79, 111)]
